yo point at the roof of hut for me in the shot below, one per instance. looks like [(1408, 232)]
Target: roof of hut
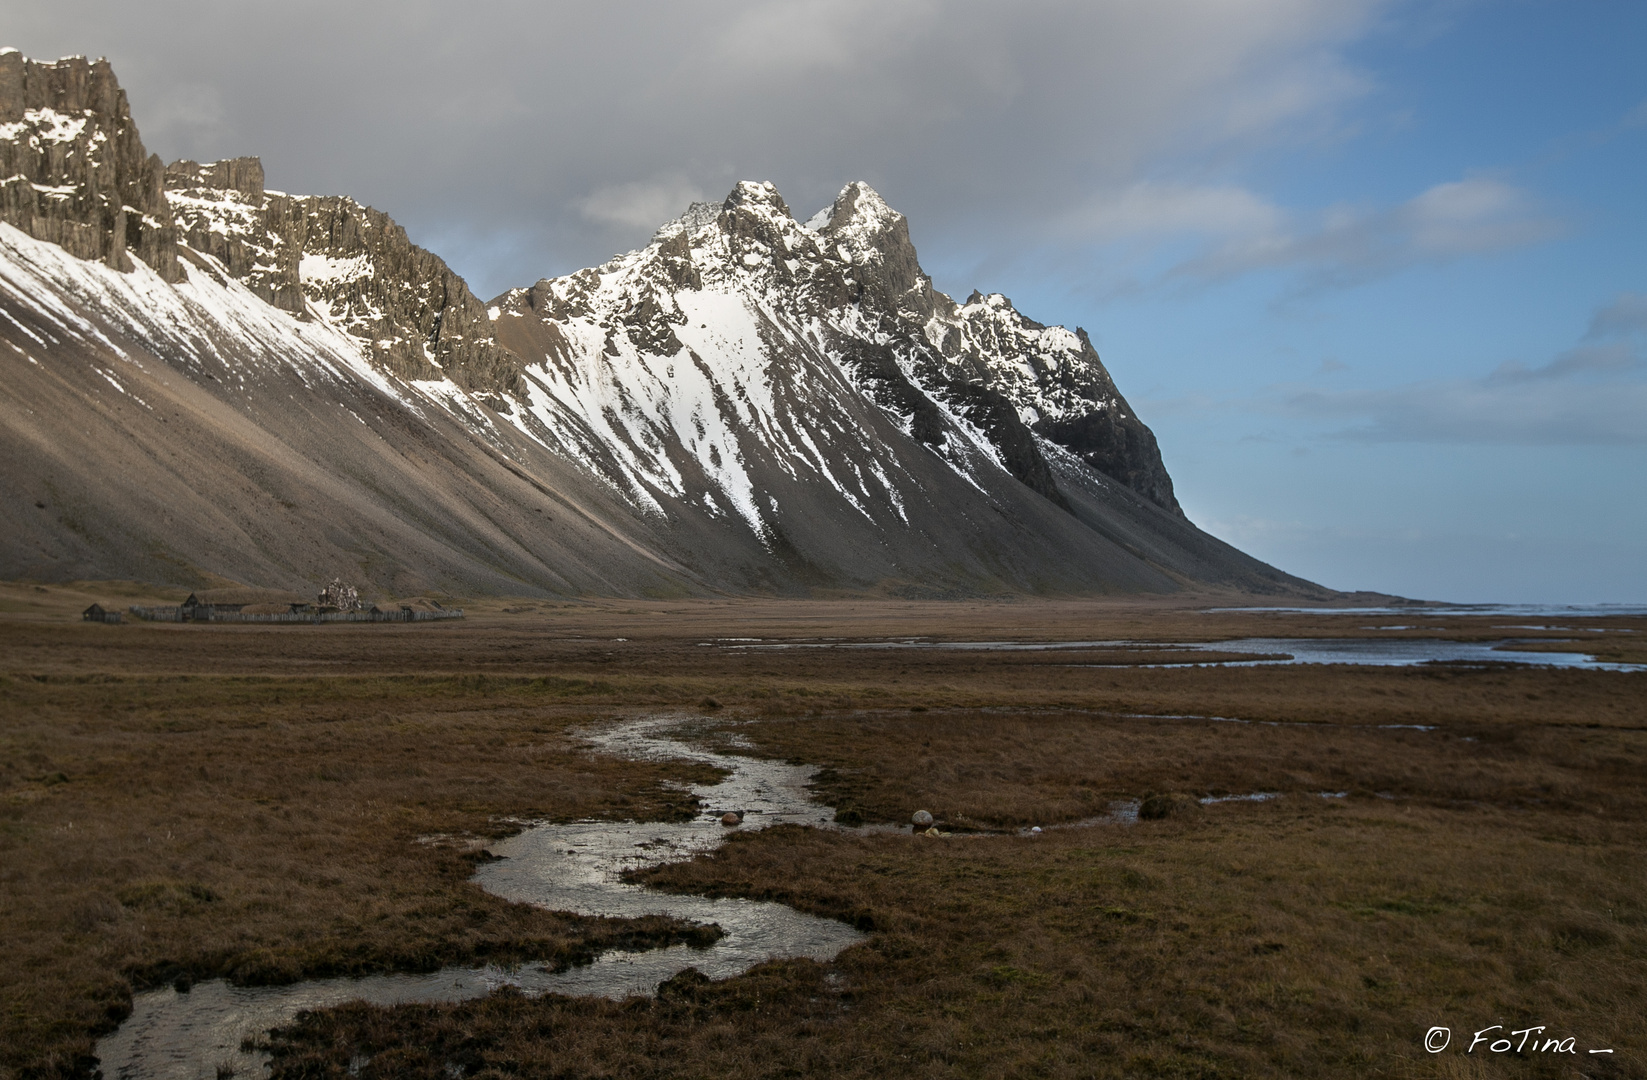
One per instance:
[(244, 596)]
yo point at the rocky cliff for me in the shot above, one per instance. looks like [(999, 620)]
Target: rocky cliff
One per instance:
[(76, 174), (983, 354), (73, 170), (349, 264)]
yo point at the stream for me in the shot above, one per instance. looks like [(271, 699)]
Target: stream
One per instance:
[(197, 1035)]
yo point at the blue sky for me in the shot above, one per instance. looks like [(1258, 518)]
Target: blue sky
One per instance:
[(1461, 418), (1375, 271)]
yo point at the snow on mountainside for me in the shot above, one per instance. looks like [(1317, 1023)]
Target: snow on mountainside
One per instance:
[(201, 376), (740, 333), (178, 432), (344, 262)]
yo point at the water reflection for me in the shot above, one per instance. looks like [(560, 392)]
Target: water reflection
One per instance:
[(1378, 652), (1398, 652)]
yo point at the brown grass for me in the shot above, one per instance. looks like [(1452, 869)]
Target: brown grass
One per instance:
[(185, 801), (1005, 769), (161, 829), (1292, 939)]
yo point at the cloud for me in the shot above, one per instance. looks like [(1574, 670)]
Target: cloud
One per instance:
[(569, 122), (1164, 210), (641, 204), (1589, 395), (1174, 233), (188, 115), (1348, 245), (1626, 315), (1483, 411), (1613, 357)]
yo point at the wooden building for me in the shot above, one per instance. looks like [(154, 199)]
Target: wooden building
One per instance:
[(204, 603)]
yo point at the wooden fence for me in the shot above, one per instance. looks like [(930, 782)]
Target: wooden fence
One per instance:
[(205, 613)]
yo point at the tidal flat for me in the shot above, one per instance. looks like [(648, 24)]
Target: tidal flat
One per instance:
[(1455, 845)]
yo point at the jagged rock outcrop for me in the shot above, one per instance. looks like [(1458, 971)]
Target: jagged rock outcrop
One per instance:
[(984, 355), (975, 382), (73, 170), (351, 264)]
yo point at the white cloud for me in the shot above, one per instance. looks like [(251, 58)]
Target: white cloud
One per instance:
[(788, 36), (1590, 394), (641, 204), (1484, 411), (1164, 210), (1217, 232), (1345, 245)]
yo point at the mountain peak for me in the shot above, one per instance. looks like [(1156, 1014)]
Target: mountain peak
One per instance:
[(697, 215), (757, 194), (858, 211)]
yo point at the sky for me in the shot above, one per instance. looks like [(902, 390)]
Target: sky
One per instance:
[(1374, 271)]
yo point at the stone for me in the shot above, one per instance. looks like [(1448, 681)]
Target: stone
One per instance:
[(921, 819), (731, 818)]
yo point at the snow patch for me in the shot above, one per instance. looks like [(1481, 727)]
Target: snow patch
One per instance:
[(326, 270)]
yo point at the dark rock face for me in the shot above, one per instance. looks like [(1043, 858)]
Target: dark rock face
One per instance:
[(352, 264), (73, 170), (1124, 451), (1009, 374)]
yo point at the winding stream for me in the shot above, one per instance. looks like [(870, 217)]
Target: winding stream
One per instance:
[(577, 867)]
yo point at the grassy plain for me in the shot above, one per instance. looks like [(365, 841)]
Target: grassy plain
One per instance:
[(180, 802)]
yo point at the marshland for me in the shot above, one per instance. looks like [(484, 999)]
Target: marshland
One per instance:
[(1452, 844)]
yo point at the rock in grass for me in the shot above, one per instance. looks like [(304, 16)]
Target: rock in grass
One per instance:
[(731, 818), (921, 819), (688, 984), (1172, 804)]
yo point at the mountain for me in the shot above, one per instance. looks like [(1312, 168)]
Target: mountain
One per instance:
[(204, 378)]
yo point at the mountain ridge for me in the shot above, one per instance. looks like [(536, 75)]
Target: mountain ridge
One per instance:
[(747, 403)]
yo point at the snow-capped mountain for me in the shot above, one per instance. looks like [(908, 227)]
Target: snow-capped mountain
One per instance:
[(206, 377)]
